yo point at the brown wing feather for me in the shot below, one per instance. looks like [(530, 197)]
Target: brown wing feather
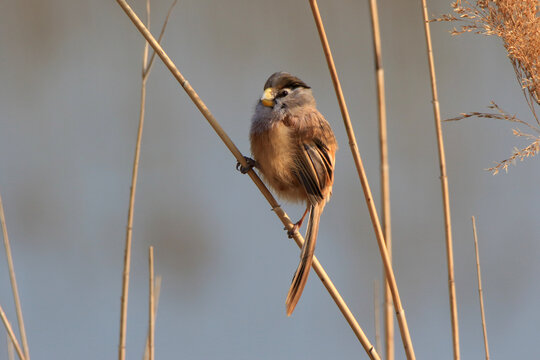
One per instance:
[(315, 158)]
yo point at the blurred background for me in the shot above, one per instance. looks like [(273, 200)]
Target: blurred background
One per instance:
[(69, 94)]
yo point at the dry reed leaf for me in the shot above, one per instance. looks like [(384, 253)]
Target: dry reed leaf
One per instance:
[(531, 150)]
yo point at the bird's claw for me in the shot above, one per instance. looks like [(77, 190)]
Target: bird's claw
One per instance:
[(290, 233), (250, 165)]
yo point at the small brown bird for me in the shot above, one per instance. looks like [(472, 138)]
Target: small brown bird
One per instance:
[(294, 149)]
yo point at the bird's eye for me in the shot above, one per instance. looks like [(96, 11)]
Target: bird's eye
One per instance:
[(283, 93)]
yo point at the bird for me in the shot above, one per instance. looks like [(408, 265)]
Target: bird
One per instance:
[(294, 149)]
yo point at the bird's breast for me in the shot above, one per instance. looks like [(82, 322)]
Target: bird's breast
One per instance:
[(273, 149)]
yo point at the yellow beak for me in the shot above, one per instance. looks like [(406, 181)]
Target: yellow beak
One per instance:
[(268, 97)]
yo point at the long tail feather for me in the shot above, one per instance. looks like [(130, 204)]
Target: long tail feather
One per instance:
[(306, 258)]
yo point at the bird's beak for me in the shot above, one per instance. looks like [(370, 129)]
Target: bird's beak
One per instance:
[(268, 97)]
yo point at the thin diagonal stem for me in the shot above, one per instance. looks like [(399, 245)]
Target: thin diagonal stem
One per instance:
[(377, 314), (151, 302), (385, 177), (11, 335), (480, 292), (13, 280), (157, 290), (444, 188), (11, 348), (400, 313), (370, 350), (153, 56), (129, 228)]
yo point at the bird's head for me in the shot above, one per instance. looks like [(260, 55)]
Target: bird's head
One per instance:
[(285, 91)]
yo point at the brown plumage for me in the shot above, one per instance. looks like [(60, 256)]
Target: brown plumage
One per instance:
[(294, 149)]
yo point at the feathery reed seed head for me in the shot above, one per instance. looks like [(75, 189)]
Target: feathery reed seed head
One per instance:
[(517, 24)]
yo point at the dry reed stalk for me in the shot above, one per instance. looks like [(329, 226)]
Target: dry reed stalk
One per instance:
[(146, 67), (151, 302), (385, 177), (13, 280), (321, 273), (157, 290), (162, 32), (480, 293), (11, 349), (400, 312), (133, 189), (444, 187), (377, 315), (11, 335)]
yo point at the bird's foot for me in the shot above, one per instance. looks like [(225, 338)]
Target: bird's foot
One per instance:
[(250, 165), (297, 225), (294, 229)]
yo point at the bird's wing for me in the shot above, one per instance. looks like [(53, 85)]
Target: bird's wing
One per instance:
[(314, 162)]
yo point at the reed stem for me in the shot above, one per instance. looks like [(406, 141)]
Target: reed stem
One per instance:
[(151, 303), (444, 187), (131, 207), (13, 280), (385, 177), (400, 312), (480, 292), (11, 334), (377, 315), (157, 290), (11, 348)]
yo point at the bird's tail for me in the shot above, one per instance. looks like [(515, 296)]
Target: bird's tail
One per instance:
[(306, 258)]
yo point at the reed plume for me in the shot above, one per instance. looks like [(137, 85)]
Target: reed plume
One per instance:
[(517, 24)]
